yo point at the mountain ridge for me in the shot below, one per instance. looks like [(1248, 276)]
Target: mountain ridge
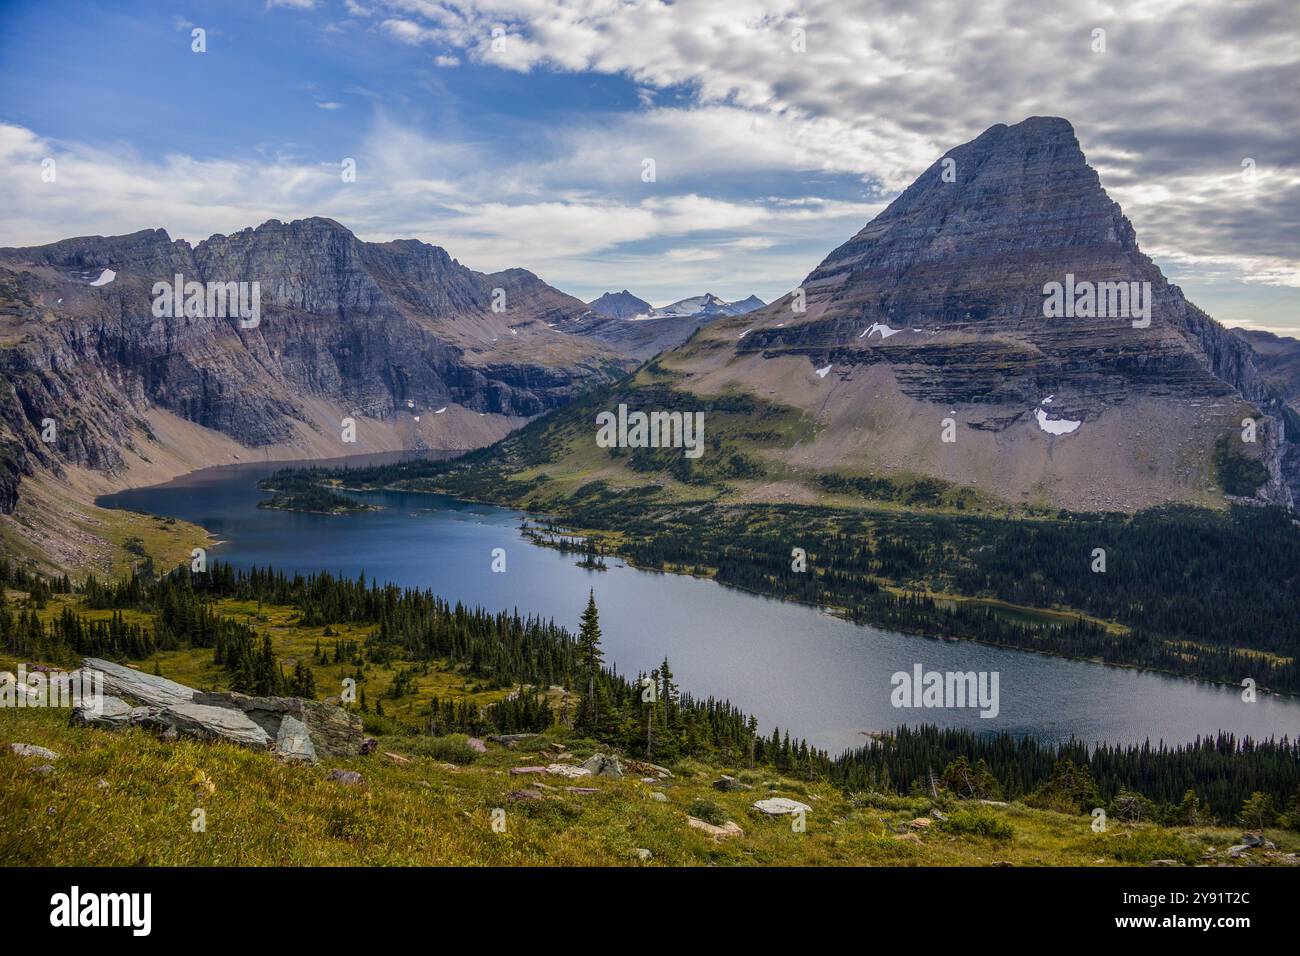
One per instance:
[(399, 337)]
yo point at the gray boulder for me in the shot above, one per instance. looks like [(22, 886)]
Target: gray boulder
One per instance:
[(292, 727), (602, 765)]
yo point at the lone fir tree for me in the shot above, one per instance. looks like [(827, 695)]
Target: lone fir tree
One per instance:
[(590, 655)]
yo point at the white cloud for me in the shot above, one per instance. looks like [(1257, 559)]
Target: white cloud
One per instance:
[(410, 186), (881, 90)]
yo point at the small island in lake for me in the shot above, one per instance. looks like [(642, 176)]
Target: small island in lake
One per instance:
[(300, 493)]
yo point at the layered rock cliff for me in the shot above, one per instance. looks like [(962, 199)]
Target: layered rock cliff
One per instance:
[(415, 347)]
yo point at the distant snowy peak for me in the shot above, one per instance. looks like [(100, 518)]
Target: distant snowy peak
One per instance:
[(708, 304)]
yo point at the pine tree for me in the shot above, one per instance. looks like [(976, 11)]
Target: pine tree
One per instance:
[(590, 655)]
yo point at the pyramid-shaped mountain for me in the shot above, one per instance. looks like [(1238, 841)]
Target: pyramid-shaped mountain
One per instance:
[(997, 328)]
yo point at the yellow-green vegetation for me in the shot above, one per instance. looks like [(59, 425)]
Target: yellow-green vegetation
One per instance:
[(194, 667), (128, 798)]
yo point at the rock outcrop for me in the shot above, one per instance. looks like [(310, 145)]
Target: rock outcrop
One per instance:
[(291, 727)]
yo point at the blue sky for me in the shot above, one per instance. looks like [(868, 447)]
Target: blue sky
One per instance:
[(529, 153)]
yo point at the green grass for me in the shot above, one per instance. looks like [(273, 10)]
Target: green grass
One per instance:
[(128, 798)]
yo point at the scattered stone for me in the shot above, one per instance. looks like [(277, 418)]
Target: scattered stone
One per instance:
[(603, 766), (938, 815), (920, 823), (31, 750), (726, 784), (520, 795), (659, 796), (729, 829), (347, 777), (477, 745), (516, 771), (1252, 839), (1238, 851), (509, 740), (582, 789), (564, 770), (643, 854), (369, 746), (397, 758), (780, 806), (1164, 863)]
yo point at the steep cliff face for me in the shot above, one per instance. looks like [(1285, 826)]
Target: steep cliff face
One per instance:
[(1278, 360), (395, 334), (937, 309)]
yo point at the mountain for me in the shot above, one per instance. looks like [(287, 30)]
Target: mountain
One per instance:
[(397, 335), (620, 305), (707, 305), (927, 347), (630, 326), (1278, 358)]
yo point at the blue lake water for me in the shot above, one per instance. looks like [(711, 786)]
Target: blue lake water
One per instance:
[(793, 666)]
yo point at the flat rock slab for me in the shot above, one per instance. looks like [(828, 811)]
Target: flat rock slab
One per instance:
[(566, 770), (135, 685), (516, 771), (31, 750), (728, 829), (781, 806), (216, 723)]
